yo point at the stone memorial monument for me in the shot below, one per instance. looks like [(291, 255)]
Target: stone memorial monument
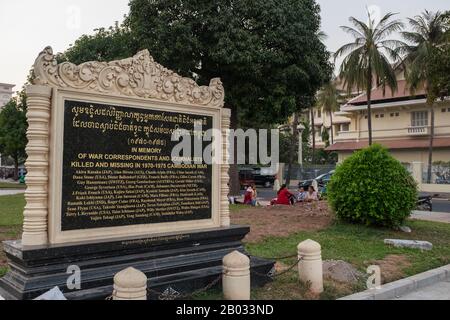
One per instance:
[(103, 193)]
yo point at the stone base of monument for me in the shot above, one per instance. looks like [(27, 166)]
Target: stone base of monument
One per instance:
[(175, 264)]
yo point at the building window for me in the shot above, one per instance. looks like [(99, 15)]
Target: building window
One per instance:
[(419, 119), (318, 131), (345, 127), (382, 115), (443, 110), (397, 114)]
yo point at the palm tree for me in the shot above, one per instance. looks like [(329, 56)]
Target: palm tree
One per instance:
[(312, 109), (328, 99), (429, 31), (366, 57)]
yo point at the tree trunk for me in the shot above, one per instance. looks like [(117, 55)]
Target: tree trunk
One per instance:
[(235, 187), (313, 131), (16, 168), (430, 147), (331, 127), (369, 104), (292, 149)]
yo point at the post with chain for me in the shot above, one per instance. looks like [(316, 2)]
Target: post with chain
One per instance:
[(130, 284), (310, 267), (236, 276)]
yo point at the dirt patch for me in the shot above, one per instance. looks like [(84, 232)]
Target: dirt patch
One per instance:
[(281, 221), (392, 267)]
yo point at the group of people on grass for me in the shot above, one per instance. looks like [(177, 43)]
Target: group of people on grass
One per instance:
[(285, 197)]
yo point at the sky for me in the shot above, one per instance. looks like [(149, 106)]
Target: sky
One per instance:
[(29, 26)]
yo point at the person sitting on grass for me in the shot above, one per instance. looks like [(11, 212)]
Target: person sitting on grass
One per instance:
[(248, 197), (301, 195), (254, 195), (311, 195), (284, 197)]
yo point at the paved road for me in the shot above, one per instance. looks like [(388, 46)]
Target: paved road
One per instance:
[(431, 216), (441, 205)]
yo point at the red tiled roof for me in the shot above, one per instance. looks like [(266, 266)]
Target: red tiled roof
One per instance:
[(377, 94), (391, 144)]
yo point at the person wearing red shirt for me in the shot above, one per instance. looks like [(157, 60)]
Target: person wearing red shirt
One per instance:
[(248, 196), (284, 196)]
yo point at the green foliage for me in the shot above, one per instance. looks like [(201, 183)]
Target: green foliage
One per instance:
[(361, 245), (13, 127), (372, 188), (367, 56), (104, 45), (439, 65), (426, 52), (268, 53), (326, 157), (12, 210), (329, 98), (325, 136)]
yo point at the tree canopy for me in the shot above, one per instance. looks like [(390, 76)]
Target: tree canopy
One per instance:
[(368, 56), (13, 128), (268, 53), (426, 52)]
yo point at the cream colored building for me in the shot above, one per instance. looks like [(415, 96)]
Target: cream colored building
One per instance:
[(400, 121), (322, 121), (6, 93)]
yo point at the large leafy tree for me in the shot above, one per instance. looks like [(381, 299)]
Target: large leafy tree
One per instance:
[(13, 127), (368, 58), (105, 44), (268, 53), (440, 68), (427, 45)]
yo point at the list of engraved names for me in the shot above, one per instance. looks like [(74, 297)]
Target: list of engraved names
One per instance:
[(118, 170)]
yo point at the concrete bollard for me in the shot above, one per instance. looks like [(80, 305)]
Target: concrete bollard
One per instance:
[(130, 284), (236, 276), (310, 268)]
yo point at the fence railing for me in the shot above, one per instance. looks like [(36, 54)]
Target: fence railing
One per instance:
[(440, 174), (307, 172)]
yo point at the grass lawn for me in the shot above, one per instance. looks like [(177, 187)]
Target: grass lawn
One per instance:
[(358, 245), (10, 185), (11, 210), (11, 217)]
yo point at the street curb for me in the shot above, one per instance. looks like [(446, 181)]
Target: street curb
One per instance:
[(401, 287), (427, 212)]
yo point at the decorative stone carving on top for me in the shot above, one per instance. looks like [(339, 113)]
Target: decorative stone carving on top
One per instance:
[(139, 76)]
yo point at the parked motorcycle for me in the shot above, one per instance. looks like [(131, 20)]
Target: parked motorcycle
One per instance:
[(425, 203)]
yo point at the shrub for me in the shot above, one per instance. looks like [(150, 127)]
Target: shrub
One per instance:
[(372, 188)]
